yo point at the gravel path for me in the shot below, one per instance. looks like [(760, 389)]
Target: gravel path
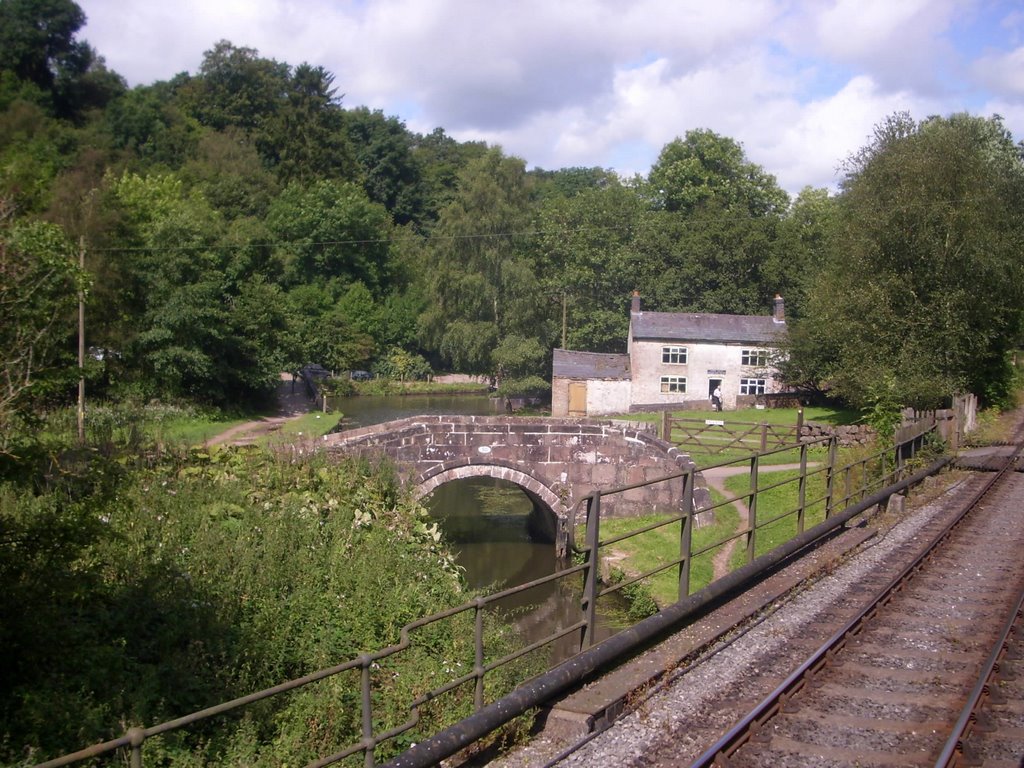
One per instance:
[(292, 403)]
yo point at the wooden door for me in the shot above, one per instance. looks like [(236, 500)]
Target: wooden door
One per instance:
[(577, 398)]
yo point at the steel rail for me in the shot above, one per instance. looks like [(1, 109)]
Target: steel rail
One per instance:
[(742, 731), (954, 747)]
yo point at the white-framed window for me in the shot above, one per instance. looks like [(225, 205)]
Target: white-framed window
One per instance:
[(752, 386), (673, 355), (673, 383), (754, 357)]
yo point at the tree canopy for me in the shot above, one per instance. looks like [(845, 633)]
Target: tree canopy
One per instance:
[(921, 294), (246, 198)]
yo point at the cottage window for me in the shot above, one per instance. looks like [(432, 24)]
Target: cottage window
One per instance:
[(673, 383), (751, 386), (755, 357), (673, 355)]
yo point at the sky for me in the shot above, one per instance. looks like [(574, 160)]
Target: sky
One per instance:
[(801, 84)]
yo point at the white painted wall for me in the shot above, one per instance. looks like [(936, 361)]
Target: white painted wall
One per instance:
[(606, 397), (704, 362)]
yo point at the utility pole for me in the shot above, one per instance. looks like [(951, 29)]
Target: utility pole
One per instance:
[(565, 315), (81, 341)]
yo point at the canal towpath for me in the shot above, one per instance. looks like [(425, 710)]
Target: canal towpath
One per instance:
[(715, 477)]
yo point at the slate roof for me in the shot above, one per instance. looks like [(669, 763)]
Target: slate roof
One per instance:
[(589, 365), (683, 326)]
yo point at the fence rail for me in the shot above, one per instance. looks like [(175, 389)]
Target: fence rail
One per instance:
[(823, 488), (717, 436)]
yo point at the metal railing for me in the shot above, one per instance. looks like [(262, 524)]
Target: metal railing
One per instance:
[(822, 488)]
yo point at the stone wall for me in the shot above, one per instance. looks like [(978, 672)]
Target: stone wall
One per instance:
[(851, 434), (557, 461)]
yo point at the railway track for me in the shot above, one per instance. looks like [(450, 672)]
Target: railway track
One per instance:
[(925, 674)]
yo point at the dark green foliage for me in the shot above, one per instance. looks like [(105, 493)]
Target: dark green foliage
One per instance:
[(38, 46), (481, 284), (399, 365), (330, 230), (139, 596), (921, 297), (391, 171), (39, 284)]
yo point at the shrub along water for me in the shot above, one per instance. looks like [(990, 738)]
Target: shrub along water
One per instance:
[(137, 591)]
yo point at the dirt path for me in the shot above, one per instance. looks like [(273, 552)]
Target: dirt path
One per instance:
[(715, 478), (292, 403)]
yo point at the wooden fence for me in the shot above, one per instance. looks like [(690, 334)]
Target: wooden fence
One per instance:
[(717, 436)]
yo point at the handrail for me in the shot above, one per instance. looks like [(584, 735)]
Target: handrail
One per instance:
[(586, 575)]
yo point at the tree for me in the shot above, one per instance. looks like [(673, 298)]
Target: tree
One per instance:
[(150, 122), (333, 232), (39, 285), (391, 172), (303, 138), (236, 87), (704, 167), (38, 45), (402, 365), (569, 182), (707, 261), (36, 36), (923, 293), (481, 286), (442, 159), (588, 262)]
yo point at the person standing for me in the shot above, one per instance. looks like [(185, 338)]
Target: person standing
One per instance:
[(716, 398)]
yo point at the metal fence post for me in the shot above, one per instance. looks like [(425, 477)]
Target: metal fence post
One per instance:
[(752, 509), (369, 759), (686, 536), (830, 475), (136, 737), (802, 490), (589, 602)]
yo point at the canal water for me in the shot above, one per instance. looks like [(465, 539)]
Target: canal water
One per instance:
[(362, 411), (486, 521)]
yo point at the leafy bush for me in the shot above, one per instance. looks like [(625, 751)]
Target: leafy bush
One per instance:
[(200, 577)]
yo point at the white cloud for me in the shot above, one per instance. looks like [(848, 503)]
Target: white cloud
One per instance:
[(599, 82), (1003, 73)]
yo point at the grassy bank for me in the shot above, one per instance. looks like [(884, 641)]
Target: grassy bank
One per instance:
[(735, 420)]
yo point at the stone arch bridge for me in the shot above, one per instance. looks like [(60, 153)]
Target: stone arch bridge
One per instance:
[(556, 462)]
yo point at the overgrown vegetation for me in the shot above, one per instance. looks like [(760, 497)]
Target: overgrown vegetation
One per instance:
[(140, 590)]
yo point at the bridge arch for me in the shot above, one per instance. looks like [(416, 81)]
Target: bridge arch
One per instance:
[(551, 516), (557, 462)]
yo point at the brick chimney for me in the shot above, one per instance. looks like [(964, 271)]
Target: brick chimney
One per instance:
[(635, 305), (778, 309)]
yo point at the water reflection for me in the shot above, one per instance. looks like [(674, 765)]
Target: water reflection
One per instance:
[(486, 521)]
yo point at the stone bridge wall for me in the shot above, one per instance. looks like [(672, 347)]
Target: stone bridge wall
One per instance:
[(556, 461)]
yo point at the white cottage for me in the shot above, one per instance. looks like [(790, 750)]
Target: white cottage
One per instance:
[(673, 360)]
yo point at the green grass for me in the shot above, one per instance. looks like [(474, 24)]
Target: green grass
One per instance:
[(305, 426), (193, 430), (826, 415), (779, 501), (648, 550), (705, 457)]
